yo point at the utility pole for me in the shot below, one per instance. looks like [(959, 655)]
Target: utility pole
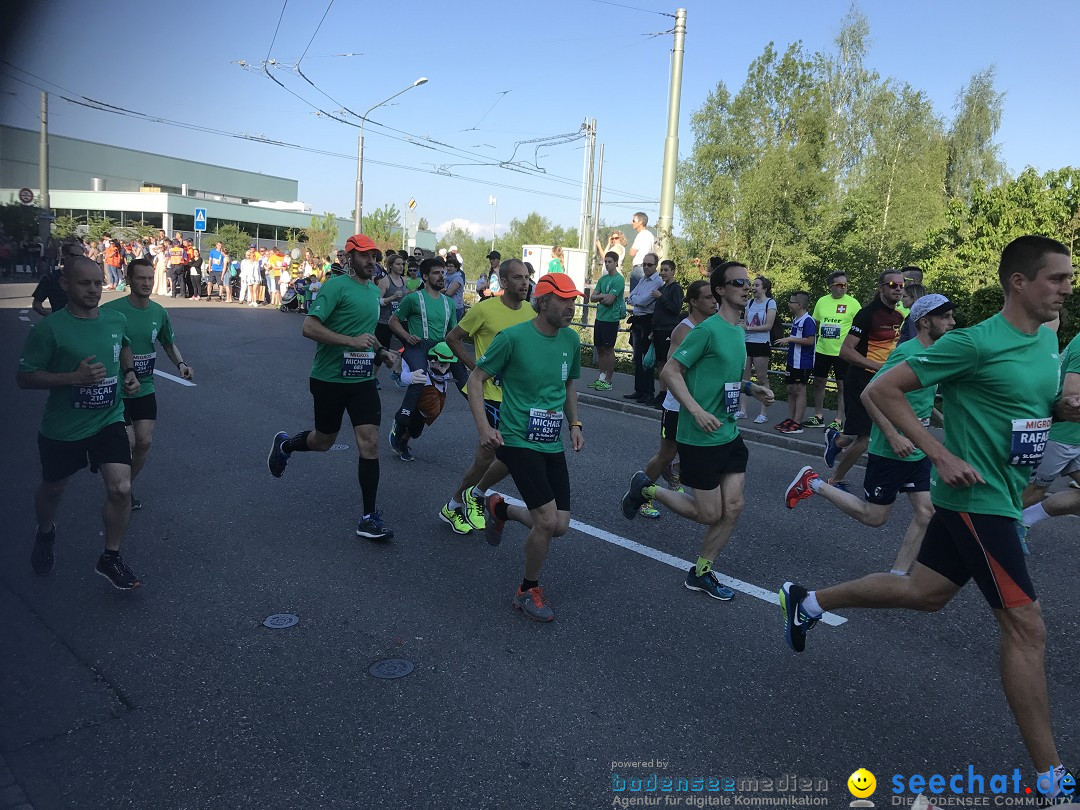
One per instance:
[(587, 215), (45, 214), (595, 233), (671, 142)]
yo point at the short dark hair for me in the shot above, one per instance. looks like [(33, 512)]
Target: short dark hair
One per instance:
[(693, 292), (140, 263), (1024, 255), (718, 277), (504, 267), (670, 263), (611, 254), (803, 296), (427, 264), (891, 272), (834, 276)]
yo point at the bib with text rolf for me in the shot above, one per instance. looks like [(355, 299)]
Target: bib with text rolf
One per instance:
[(1028, 441), (144, 364)]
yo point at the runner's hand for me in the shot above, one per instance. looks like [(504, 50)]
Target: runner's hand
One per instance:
[(577, 440), (364, 341), (131, 384), (88, 372), (412, 340), (706, 421), (901, 445), (490, 439), (388, 358), (187, 372), (1068, 409), (956, 472), (763, 394)]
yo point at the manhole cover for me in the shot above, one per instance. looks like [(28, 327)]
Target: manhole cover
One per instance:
[(339, 447), (391, 668), (280, 620)]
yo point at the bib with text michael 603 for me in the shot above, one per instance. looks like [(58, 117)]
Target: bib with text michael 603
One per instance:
[(1028, 441), (357, 365), (544, 426), (731, 396), (95, 397)]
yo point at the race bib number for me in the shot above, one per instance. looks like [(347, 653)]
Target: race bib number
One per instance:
[(731, 396), (95, 397), (357, 365), (830, 331), (1028, 441), (394, 306), (544, 426), (144, 364)]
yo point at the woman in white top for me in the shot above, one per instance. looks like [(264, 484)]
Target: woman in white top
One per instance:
[(616, 243), (760, 314), (161, 272), (248, 266)]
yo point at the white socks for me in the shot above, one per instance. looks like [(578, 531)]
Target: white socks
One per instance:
[(811, 606), (815, 484), (1033, 514)]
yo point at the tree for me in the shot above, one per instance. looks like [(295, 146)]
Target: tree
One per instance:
[(65, 227), (423, 225), (97, 228), (321, 236), (379, 224), (234, 241), (19, 221), (973, 154)]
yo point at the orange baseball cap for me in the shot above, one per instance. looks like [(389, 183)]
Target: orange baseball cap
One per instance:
[(360, 243), (558, 283)]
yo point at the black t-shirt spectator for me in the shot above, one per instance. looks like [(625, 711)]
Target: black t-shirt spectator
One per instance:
[(49, 287)]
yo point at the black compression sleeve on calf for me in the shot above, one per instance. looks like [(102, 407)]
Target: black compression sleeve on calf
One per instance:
[(500, 510), (297, 442), (367, 473)]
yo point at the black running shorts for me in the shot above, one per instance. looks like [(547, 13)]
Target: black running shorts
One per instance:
[(540, 477), (605, 333), (332, 399), (962, 546), (886, 477), (824, 363), (669, 424), (60, 459), (704, 467), (141, 409), (857, 421)]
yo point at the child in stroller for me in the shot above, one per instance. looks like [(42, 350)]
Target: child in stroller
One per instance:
[(295, 297)]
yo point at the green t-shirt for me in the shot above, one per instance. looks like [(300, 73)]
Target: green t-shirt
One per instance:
[(347, 307), (483, 322), (921, 400), (1068, 432), (441, 315), (533, 369), (413, 284), (611, 284), (998, 386), (145, 327), (58, 344), (713, 353), (833, 317)]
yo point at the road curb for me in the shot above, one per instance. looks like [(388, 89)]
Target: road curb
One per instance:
[(750, 432)]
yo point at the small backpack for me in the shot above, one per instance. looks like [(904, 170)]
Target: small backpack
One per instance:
[(779, 328)]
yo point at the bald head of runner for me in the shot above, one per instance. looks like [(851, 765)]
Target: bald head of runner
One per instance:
[(82, 281)]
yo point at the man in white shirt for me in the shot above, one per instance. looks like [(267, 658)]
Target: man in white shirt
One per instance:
[(644, 242), (644, 303)]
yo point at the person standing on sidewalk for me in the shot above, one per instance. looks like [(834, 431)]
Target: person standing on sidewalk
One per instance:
[(82, 357), (642, 246), (759, 318), (705, 376), (833, 315), (537, 363), (610, 310), (666, 316), (644, 302), (800, 360), (999, 382)]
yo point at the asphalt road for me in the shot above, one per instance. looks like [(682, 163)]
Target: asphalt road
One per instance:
[(177, 696)]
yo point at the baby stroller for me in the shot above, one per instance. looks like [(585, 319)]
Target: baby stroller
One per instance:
[(295, 297)]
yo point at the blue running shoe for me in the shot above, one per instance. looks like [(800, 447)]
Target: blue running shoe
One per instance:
[(831, 448), (1021, 534), (278, 459), (796, 620), (371, 527), (708, 584)]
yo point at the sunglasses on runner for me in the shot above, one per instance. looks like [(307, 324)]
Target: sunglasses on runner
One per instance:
[(894, 285), (738, 282)]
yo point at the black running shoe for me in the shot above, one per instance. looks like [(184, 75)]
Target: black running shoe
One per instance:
[(633, 499), (371, 527), (116, 571), (796, 620), (278, 459), (42, 558)]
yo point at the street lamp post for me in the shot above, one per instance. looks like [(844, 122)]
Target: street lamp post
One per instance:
[(359, 212), (494, 217)]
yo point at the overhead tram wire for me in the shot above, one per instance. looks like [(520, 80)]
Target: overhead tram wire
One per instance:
[(317, 27), (276, 29)]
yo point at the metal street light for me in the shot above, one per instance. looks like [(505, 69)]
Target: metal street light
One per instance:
[(494, 217), (359, 213)]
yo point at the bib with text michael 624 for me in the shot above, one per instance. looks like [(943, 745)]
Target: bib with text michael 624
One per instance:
[(544, 426)]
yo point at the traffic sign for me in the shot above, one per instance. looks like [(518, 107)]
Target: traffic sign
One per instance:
[(200, 219), (26, 196)]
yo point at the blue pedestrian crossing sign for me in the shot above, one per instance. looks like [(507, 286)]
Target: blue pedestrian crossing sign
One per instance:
[(200, 219)]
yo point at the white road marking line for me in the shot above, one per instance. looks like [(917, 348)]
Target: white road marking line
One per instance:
[(24, 312), (24, 318), (681, 565), (168, 376)]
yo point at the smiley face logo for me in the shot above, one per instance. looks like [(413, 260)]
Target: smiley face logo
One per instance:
[(862, 783)]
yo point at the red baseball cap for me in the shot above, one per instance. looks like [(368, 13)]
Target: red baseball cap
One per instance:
[(558, 283), (360, 243)]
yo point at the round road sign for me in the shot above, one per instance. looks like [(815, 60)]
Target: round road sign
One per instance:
[(26, 196)]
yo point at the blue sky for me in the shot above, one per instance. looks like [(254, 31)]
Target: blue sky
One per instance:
[(562, 61)]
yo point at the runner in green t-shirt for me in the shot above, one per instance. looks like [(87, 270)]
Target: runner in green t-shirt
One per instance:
[(999, 385), (342, 322), (82, 357), (610, 310), (833, 314), (1062, 456), (422, 320), (147, 323), (537, 363), (483, 321), (894, 463), (706, 378)]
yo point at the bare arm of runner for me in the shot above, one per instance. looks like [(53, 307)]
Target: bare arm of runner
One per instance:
[(490, 439)]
